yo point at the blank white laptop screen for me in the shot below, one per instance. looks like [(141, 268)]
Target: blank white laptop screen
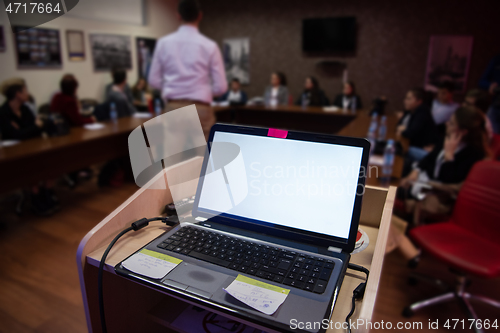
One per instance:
[(299, 184)]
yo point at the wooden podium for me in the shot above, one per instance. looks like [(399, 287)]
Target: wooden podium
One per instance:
[(134, 307)]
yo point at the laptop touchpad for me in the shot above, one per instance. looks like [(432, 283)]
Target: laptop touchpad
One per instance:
[(201, 281)]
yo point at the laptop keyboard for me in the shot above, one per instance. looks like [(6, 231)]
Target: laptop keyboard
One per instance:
[(286, 267)]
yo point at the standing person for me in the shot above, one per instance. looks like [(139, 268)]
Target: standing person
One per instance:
[(187, 66), (312, 94), (276, 93), (348, 96)]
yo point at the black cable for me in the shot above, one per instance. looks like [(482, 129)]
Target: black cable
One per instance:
[(357, 293), (353, 307), (359, 268), (137, 225)]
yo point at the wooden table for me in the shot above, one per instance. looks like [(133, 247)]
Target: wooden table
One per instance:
[(290, 117), (134, 307), (38, 159)]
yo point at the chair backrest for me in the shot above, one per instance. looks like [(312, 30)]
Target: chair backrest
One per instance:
[(478, 204)]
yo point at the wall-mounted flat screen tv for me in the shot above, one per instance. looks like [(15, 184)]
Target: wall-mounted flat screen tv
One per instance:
[(335, 34)]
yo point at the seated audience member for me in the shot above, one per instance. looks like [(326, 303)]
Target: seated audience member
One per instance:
[(347, 97), (118, 96), (235, 96), (490, 81), (66, 103), (277, 93), (17, 122), (126, 89), (141, 94), (447, 166), (443, 105), (417, 126), (312, 94), (480, 99)]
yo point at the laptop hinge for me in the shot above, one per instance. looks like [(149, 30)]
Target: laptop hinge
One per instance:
[(334, 249)]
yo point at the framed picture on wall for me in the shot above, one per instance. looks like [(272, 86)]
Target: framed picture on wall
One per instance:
[(236, 55), (145, 50), (37, 48), (2, 40), (76, 45), (110, 51), (448, 60)]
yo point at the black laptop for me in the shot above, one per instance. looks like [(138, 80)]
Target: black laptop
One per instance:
[(279, 207)]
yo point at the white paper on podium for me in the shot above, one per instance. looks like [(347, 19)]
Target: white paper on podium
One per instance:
[(261, 296), (151, 264)]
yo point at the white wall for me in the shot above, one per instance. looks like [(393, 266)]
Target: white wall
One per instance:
[(160, 20)]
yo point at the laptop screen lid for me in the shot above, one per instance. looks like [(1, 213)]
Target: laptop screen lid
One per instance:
[(302, 186)]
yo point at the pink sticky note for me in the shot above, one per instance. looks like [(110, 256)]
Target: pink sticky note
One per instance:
[(276, 133)]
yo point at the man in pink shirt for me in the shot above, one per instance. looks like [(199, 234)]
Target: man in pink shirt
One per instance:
[(187, 67)]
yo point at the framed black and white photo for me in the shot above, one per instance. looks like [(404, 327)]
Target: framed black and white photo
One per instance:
[(2, 40), (76, 45), (37, 48), (448, 60), (236, 54), (145, 50), (110, 51)]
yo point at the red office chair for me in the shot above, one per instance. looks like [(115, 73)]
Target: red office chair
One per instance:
[(469, 241), (495, 146)]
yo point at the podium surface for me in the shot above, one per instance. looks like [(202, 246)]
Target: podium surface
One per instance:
[(131, 306)]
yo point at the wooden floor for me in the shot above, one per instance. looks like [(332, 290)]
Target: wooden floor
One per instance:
[(39, 288)]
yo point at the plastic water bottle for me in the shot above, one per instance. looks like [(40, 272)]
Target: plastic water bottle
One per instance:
[(113, 114), (304, 101), (389, 152), (353, 105), (372, 132), (158, 108), (382, 129)]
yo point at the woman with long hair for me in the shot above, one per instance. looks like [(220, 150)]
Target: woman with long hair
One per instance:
[(277, 92), (348, 96), (312, 94)]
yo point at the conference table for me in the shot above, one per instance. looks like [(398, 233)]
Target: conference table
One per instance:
[(44, 158), (290, 117), (38, 159)]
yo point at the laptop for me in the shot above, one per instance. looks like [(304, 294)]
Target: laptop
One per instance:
[(280, 207)]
